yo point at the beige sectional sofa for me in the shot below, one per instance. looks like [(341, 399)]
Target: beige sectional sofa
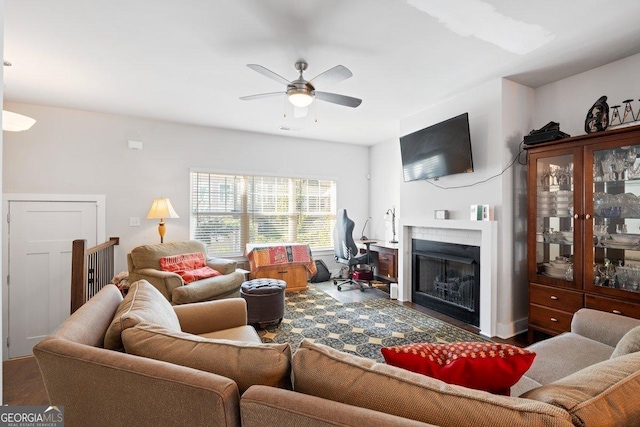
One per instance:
[(184, 375)]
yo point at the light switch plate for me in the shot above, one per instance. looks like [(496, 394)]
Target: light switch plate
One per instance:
[(134, 222)]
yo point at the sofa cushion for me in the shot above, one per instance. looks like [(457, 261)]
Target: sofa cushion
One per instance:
[(143, 303), (262, 406), (488, 366), (603, 395), (523, 385), (556, 358), (246, 363), (328, 373), (629, 343), (244, 333)]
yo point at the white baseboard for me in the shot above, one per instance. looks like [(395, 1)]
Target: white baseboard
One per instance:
[(508, 330)]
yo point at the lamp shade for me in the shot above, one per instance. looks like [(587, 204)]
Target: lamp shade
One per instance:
[(14, 122), (300, 99), (161, 208)]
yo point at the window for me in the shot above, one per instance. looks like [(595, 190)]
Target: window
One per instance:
[(229, 211)]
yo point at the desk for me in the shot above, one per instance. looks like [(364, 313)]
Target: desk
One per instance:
[(387, 259), (367, 244), (291, 262)]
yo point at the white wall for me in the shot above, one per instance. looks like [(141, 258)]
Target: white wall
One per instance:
[(499, 114), (421, 198), (79, 152), (386, 176), (567, 101)]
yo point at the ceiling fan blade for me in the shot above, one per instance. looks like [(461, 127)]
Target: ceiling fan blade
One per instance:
[(268, 73), (335, 98), (261, 95), (331, 76)]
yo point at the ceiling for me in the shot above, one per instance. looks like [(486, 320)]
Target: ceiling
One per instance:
[(185, 61)]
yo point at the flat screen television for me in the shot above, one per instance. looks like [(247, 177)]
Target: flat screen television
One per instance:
[(438, 150)]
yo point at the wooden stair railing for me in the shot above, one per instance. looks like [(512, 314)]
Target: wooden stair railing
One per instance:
[(91, 270)]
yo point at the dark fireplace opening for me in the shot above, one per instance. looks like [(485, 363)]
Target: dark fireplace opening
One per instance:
[(446, 278)]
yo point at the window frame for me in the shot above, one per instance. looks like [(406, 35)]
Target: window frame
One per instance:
[(246, 216)]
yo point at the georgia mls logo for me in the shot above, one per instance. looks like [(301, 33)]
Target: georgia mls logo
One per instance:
[(31, 416)]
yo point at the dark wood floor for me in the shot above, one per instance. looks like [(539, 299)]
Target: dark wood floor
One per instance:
[(23, 385)]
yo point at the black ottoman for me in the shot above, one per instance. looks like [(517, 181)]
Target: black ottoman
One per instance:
[(265, 300)]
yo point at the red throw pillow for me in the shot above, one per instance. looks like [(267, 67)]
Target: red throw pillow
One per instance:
[(182, 262), (200, 273), (492, 367)]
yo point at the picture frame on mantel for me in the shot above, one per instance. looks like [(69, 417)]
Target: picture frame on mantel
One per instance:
[(481, 213), (440, 214)]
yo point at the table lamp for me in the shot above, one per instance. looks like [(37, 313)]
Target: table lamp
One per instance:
[(161, 208), (392, 212)]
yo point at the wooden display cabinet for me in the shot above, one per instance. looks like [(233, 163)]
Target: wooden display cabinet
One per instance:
[(583, 228)]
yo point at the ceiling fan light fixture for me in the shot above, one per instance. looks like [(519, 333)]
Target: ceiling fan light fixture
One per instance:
[(14, 122), (300, 98)]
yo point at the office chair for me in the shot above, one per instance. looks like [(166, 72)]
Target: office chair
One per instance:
[(346, 251)]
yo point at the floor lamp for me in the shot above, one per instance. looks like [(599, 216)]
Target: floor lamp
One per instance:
[(161, 209)]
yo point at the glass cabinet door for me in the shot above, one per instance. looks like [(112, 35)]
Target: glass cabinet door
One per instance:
[(614, 251), (555, 224)]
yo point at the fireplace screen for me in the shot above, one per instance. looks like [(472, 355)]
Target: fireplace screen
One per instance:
[(447, 279)]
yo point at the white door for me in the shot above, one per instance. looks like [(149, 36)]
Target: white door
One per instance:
[(39, 277)]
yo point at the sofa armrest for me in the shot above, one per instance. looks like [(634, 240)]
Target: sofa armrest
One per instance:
[(607, 328), (111, 388), (210, 316), (263, 405), (164, 281), (224, 266)]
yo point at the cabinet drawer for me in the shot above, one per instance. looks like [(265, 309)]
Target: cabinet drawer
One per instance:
[(386, 258), (559, 299), (293, 274), (550, 319), (613, 306), (383, 269), (386, 266)]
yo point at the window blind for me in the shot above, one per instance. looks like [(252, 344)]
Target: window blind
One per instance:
[(229, 211)]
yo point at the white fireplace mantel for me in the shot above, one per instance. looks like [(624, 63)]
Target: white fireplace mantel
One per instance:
[(488, 261)]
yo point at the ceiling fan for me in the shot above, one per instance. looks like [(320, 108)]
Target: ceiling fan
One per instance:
[(301, 92)]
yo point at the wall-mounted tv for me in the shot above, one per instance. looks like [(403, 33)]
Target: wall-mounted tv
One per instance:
[(438, 150)]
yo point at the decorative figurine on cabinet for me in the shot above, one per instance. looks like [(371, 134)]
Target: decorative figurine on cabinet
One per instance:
[(598, 116)]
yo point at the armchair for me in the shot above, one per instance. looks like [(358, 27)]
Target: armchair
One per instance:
[(144, 263), (346, 251)]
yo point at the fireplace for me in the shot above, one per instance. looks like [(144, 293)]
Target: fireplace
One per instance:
[(446, 278)]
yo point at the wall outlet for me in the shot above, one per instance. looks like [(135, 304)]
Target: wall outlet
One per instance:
[(134, 222), (135, 145)]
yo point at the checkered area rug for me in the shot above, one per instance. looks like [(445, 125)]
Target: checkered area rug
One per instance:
[(360, 328)]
